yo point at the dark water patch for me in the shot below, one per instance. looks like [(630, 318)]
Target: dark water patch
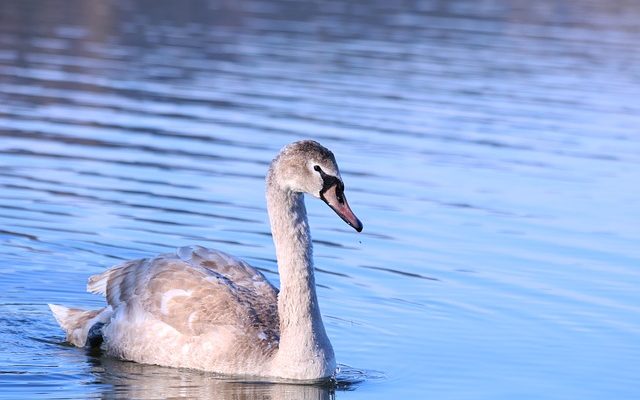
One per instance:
[(19, 234), (134, 179), (325, 271), (398, 272), (46, 212)]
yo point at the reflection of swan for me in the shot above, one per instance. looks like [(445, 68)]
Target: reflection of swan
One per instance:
[(139, 381), (204, 309)]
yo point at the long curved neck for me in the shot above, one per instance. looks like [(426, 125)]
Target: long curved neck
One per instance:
[(302, 334)]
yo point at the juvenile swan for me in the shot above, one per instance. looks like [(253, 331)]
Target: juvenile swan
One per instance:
[(204, 309)]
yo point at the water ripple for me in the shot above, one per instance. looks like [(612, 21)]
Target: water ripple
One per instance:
[(490, 148)]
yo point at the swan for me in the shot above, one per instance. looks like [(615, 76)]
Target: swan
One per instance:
[(205, 309)]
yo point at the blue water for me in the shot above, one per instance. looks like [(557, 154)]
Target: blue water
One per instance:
[(491, 149)]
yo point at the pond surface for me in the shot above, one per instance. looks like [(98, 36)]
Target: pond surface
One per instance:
[(491, 149)]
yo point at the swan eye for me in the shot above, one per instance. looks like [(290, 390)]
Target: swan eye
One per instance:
[(317, 168)]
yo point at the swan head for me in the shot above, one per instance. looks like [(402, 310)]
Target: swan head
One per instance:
[(308, 167)]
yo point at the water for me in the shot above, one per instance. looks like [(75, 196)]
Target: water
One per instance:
[(491, 149)]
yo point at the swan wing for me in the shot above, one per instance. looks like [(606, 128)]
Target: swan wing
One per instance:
[(193, 295), (232, 268)]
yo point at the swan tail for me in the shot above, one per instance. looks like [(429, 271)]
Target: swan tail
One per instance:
[(81, 326)]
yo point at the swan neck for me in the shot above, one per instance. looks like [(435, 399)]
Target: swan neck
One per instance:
[(290, 231), (302, 334)]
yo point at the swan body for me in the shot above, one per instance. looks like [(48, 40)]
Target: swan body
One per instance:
[(204, 309)]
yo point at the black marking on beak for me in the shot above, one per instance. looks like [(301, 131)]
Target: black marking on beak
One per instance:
[(329, 181)]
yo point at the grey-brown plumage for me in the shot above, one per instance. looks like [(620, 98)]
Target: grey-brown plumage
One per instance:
[(223, 291), (204, 309)]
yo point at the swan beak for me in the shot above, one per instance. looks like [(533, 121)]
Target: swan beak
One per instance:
[(338, 203)]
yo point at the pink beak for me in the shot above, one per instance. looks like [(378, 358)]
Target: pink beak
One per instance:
[(338, 203)]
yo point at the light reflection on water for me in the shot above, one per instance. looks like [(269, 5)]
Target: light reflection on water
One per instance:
[(490, 149)]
